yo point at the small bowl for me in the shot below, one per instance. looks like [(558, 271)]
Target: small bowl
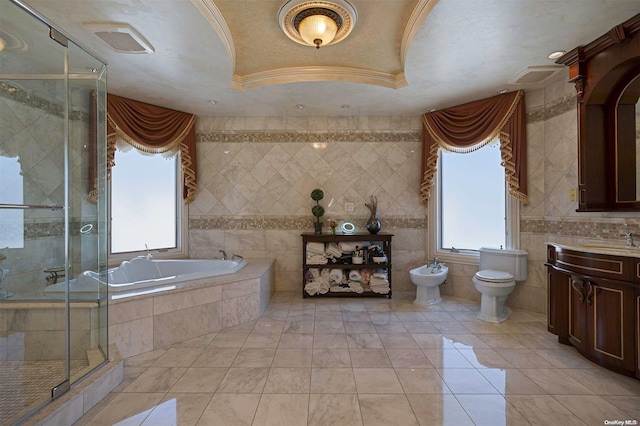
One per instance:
[(357, 260), (379, 259)]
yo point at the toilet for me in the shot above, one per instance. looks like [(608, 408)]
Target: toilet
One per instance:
[(496, 279)]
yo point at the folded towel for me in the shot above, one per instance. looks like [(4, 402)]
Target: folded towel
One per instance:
[(349, 246), (316, 259), (315, 247), (333, 250), (340, 289), (355, 286), (378, 281), (354, 275), (381, 273)]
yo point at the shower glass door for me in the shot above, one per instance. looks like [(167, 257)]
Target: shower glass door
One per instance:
[(52, 97)]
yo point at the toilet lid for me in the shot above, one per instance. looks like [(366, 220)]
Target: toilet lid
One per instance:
[(494, 276)]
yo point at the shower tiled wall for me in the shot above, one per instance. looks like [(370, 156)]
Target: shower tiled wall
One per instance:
[(32, 125), (255, 176)]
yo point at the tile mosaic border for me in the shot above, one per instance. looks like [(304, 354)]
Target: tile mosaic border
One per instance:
[(23, 97), (292, 222), (593, 229), (308, 136), (45, 228), (554, 109)]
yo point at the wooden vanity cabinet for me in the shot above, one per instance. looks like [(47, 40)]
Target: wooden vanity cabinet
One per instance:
[(598, 315), (558, 300), (637, 336)]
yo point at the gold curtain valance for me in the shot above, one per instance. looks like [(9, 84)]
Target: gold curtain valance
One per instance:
[(471, 126), (155, 130)]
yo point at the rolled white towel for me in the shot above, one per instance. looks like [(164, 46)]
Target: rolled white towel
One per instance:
[(354, 275), (315, 247), (312, 288), (335, 277)]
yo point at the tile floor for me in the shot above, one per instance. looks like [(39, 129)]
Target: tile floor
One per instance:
[(333, 361)]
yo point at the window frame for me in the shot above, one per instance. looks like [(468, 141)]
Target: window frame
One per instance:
[(469, 257), (182, 226)]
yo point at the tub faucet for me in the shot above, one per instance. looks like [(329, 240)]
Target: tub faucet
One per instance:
[(629, 237), (224, 254)]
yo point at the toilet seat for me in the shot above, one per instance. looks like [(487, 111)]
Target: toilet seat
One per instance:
[(491, 276)]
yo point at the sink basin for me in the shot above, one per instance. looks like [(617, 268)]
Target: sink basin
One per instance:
[(427, 276), (427, 280)]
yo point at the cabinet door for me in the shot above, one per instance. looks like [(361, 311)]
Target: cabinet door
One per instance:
[(637, 326), (578, 313), (558, 304), (611, 309)]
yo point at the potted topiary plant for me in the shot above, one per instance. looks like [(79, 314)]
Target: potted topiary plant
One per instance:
[(317, 210)]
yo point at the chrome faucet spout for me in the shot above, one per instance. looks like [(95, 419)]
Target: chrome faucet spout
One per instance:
[(629, 236), (224, 254)]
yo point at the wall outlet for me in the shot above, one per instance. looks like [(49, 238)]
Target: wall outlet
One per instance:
[(348, 207), (573, 194)]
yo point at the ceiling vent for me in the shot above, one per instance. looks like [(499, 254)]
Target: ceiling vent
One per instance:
[(536, 75), (120, 37)]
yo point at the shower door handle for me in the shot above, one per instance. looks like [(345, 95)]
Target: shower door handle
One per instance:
[(53, 207)]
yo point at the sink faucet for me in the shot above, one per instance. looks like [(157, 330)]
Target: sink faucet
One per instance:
[(629, 237), (436, 263)]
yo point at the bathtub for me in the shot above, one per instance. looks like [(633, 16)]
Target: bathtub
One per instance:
[(142, 272)]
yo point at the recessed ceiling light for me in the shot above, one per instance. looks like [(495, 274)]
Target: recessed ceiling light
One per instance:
[(299, 106), (502, 91), (556, 54), (213, 102), (432, 110)]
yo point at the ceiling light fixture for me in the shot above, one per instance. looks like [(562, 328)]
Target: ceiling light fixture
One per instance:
[(317, 23), (556, 54)]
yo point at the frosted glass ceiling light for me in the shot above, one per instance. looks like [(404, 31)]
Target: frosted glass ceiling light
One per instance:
[(317, 23)]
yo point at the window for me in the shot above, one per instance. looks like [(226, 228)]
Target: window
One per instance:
[(146, 204), (471, 207), (11, 192)]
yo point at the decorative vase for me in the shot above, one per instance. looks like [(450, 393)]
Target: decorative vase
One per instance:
[(333, 230), (373, 224), (317, 227)]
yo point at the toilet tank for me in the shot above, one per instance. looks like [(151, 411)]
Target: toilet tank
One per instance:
[(511, 261)]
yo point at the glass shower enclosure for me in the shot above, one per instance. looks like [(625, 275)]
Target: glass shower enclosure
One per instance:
[(53, 250)]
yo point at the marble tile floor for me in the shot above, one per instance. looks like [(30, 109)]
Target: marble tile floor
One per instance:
[(366, 361)]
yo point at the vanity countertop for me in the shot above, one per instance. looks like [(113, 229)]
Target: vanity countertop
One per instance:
[(602, 248)]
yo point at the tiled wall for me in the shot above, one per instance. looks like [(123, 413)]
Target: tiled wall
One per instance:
[(255, 176), (33, 132)]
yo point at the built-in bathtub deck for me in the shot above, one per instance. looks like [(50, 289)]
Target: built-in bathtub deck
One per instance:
[(150, 318)]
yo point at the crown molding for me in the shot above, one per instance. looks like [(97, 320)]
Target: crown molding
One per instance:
[(419, 14), (307, 74), (214, 17)]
